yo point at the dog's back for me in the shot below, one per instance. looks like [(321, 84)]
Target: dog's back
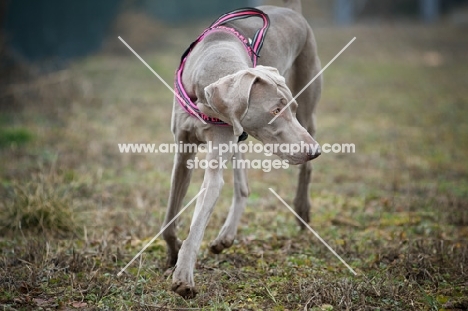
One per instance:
[(279, 43), (294, 5)]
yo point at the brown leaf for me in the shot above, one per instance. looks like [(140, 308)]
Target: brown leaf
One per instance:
[(42, 302), (341, 221), (79, 304)]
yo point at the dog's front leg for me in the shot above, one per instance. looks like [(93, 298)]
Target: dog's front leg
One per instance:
[(241, 192), (182, 280)]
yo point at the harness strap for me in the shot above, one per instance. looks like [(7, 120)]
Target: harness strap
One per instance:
[(252, 47), (259, 37)]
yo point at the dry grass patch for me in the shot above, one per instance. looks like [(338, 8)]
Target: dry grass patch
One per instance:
[(41, 206)]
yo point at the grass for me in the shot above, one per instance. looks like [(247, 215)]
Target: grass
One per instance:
[(10, 137), (396, 210), (40, 206)]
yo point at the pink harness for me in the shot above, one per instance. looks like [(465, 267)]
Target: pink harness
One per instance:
[(252, 47)]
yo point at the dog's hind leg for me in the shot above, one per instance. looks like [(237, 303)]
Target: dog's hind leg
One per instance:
[(307, 66), (241, 192), (301, 201), (180, 181)]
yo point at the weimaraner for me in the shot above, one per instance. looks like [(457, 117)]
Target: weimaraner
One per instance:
[(219, 77)]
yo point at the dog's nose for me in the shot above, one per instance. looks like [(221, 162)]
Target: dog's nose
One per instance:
[(313, 154)]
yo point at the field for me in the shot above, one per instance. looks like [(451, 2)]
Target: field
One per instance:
[(74, 210)]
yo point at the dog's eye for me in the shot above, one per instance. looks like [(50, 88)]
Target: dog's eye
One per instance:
[(276, 111)]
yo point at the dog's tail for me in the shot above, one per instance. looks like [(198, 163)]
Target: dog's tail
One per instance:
[(294, 5)]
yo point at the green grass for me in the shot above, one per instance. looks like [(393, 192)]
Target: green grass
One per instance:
[(14, 137), (396, 210)]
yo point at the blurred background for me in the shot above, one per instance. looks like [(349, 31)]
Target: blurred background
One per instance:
[(397, 210), (57, 31)]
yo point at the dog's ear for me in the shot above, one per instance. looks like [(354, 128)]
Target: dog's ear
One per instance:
[(229, 98), (268, 69), (272, 74)]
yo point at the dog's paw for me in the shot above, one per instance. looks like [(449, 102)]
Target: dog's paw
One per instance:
[(184, 290), (217, 246)]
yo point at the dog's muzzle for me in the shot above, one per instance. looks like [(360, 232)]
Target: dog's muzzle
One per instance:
[(313, 153)]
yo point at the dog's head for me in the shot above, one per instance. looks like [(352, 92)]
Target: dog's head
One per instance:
[(249, 100)]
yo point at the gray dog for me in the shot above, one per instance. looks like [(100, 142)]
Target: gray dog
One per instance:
[(223, 81)]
